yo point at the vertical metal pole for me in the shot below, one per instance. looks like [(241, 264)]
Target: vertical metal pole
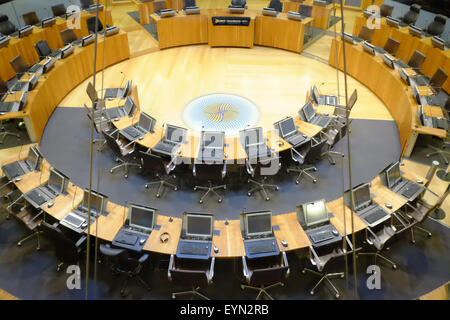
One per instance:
[(347, 113)]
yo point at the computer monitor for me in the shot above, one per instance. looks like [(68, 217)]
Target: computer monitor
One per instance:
[(315, 213), (253, 136), (287, 126), (316, 94), (308, 111), (34, 158), (141, 217), (90, 90), (361, 196), (98, 202), (393, 175), (175, 134), (130, 106), (416, 94), (352, 100), (258, 223), (146, 122), (56, 181), (213, 139), (198, 225)]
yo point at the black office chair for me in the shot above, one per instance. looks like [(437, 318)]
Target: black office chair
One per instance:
[(386, 10), (265, 273), (411, 16), (304, 157), (59, 10), (31, 18), (43, 50), (91, 25), (364, 34), (6, 26), (156, 165), (331, 136), (3, 90), (68, 36), (31, 218), (125, 154), (277, 5), (240, 3), (436, 28), (86, 4), (121, 262), (436, 81), (305, 10), (210, 172), (158, 6), (256, 171), (101, 124), (391, 46), (19, 65), (67, 251), (190, 273), (188, 3)]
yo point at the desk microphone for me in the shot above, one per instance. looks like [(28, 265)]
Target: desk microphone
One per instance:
[(226, 221), (123, 78)]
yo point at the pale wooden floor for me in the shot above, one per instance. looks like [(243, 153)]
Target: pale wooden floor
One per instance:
[(275, 80)]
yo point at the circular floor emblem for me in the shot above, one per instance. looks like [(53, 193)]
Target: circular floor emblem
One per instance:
[(220, 112)]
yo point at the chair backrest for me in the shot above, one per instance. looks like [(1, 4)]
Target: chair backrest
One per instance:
[(65, 249), (86, 3), (189, 278), (6, 26), (276, 4), (68, 36), (436, 27), (366, 33), (112, 143), (153, 163), (120, 258), (386, 10), (91, 24), (159, 5), (416, 60), (269, 164), (30, 18), (59, 9), (240, 3), (438, 79), (268, 276), (305, 10), (42, 49), (391, 46), (3, 89), (411, 16), (315, 152), (19, 65), (188, 3), (207, 172)]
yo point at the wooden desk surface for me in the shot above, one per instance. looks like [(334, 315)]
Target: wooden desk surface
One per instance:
[(172, 228), (290, 231), (229, 241)]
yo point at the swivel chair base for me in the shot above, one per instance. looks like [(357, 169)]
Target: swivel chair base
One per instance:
[(327, 277), (261, 186), (194, 292), (124, 164), (262, 289), (443, 153), (378, 255), (212, 190), (162, 183), (413, 239), (123, 294), (330, 155), (101, 142), (303, 171), (34, 234), (4, 134)]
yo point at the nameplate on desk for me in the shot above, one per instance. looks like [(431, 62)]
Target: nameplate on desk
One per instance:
[(236, 9), (192, 10), (166, 13), (4, 41), (388, 60), (294, 15), (438, 42), (415, 31), (111, 31), (93, 8), (320, 3), (348, 38), (392, 22), (25, 31), (48, 64), (368, 13), (87, 40), (368, 47), (48, 22), (67, 51), (231, 21)]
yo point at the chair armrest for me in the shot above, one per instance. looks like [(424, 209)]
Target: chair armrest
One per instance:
[(80, 241), (285, 263), (171, 165), (194, 170), (315, 259), (432, 192), (37, 215), (143, 258), (171, 266), (373, 235), (211, 270), (245, 269), (405, 225), (293, 150), (224, 169), (9, 182), (249, 167), (349, 243)]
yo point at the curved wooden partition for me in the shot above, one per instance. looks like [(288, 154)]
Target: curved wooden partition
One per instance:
[(386, 83)]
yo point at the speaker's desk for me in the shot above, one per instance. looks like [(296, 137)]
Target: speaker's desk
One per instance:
[(321, 15)]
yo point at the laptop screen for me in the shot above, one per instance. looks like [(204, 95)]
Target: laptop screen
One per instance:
[(33, 158), (316, 94), (213, 139), (130, 106), (253, 136), (175, 134), (98, 202), (308, 111), (393, 175), (353, 98), (90, 90), (361, 196), (141, 217), (56, 181), (258, 223), (199, 225), (315, 213), (146, 122), (287, 126)]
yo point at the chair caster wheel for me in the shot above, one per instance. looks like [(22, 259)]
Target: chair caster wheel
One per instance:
[(342, 276), (311, 292), (277, 188), (267, 199), (249, 194), (195, 188), (38, 249), (337, 295), (220, 200), (429, 235), (413, 241), (242, 287), (248, 181), (394, 267), (282, 284), (110, 171), (315, 169), (304, 271), (296, 182), (173, 296), (175, 189), (224, 187), (146, 186), (315, 180), (201, 201), (388, 248), (126, 176), (158, 195)]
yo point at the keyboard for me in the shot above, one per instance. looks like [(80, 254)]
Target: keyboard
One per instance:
[(111, 93), (21, 86), (34, 68), (12, 170), (74, 220), (262, 247), (432, 101), (132, 132), (114, 113), (37, 197), (6, 106), (296, 139), (322, 236), (421, 81), (322, 121), (194, 249), (410, 190), (401, 64), (375, 216), (127, 238), (166, 147)]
